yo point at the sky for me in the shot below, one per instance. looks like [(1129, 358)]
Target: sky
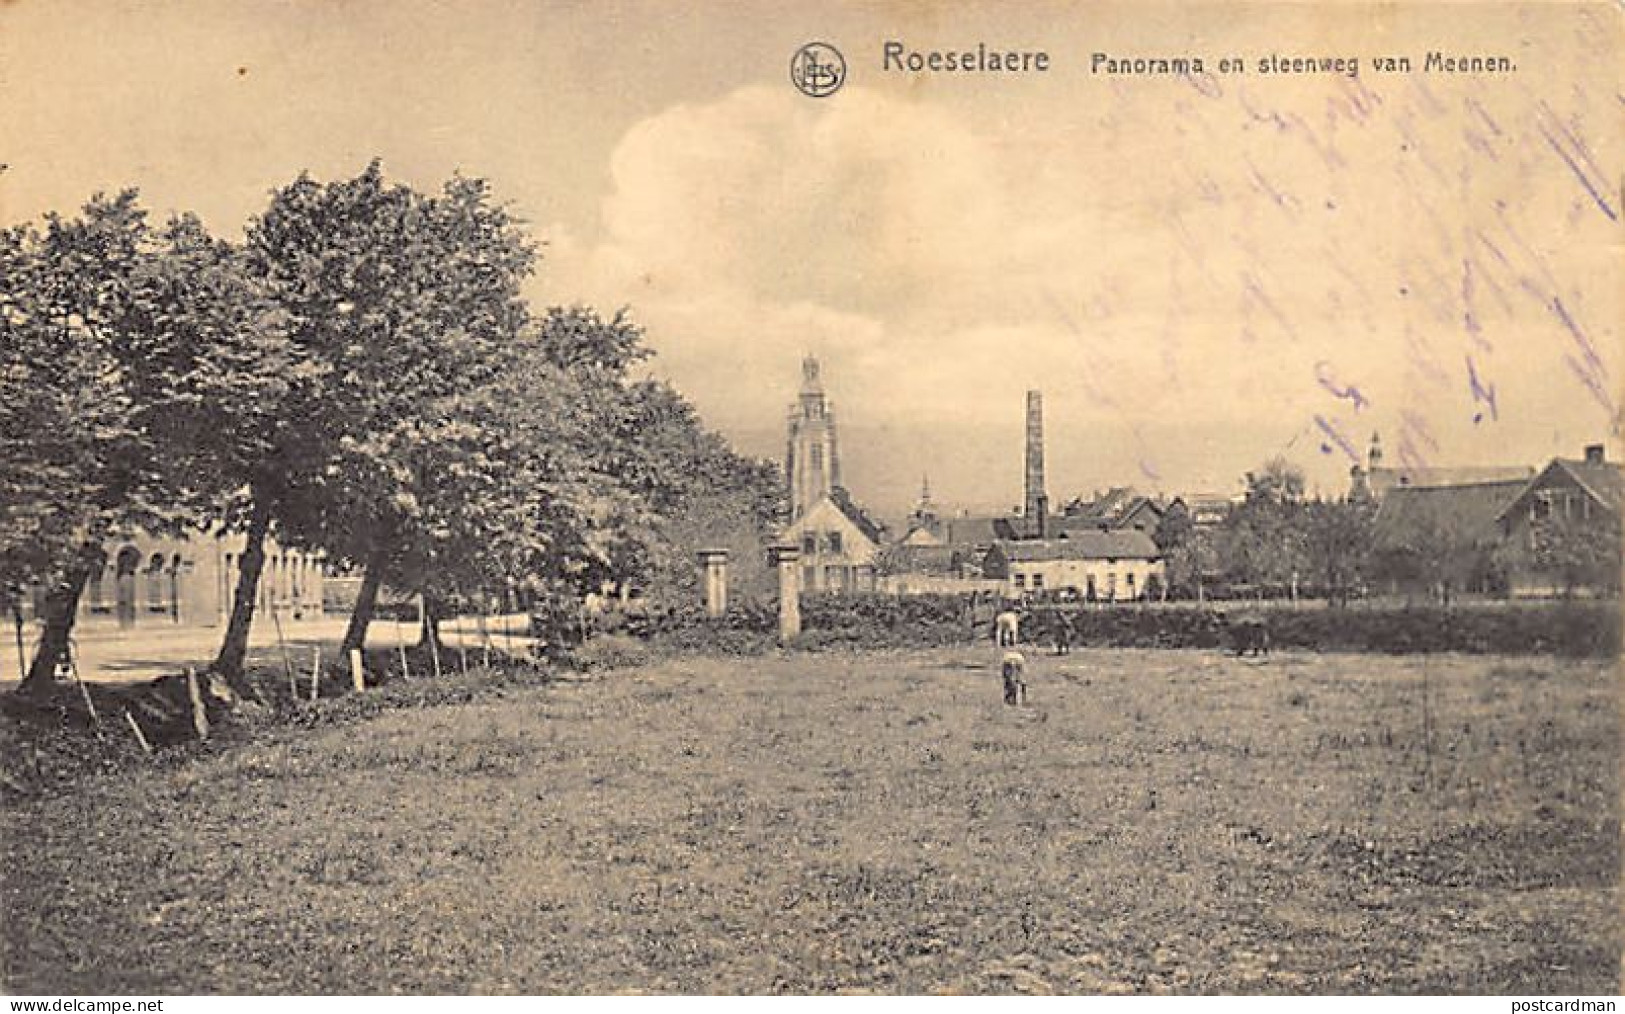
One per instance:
[(1199, 272)]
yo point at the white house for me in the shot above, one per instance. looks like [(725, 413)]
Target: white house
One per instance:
[(1116, 565), (838, 544)]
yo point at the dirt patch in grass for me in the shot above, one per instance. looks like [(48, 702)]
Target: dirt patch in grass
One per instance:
[(1155, 821)]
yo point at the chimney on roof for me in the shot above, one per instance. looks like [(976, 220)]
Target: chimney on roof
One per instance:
[(1594, 454), (1035, 508)]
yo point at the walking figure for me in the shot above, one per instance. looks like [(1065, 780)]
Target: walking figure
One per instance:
[(1007, 628), (1063, 632), (1015, 678)]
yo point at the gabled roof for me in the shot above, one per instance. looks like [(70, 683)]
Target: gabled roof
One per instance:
[(1140, 503), (921, 537), (841, 503), (1386, 478), (855, 514), (1119, 516), (1103, 506), (1603, 480), (1115, 544), (930, 559), (976, 531), (1205, 508), (1460, 514)]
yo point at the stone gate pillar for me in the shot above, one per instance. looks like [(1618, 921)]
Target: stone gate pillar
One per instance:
[(714, 580), (787, 559)]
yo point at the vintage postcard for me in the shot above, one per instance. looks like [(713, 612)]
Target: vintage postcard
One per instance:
[(561, 497)]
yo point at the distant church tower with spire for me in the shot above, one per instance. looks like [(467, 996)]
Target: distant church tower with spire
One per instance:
[(812, 460), (837, 539)]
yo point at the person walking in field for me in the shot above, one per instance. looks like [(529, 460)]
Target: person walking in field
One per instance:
[(1015, 678), (1007, 628), (1062, 631)]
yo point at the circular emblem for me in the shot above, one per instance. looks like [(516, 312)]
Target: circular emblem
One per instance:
[(818, 69)]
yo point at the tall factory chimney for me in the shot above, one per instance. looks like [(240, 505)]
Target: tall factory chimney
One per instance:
[(1036, 504)]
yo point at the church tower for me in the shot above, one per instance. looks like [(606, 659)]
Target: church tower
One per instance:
[(1360, 490), (811, 460), (925, 517)]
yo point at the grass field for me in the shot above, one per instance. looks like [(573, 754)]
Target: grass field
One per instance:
[(1154, 821)]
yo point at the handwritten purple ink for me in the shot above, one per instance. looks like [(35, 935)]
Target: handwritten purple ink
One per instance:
[(1253, 289), (1579, 174), (1326, 379), (1336, 437), (1482, 394)]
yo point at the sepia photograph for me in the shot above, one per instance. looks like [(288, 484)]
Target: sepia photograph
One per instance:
[(899, 497)]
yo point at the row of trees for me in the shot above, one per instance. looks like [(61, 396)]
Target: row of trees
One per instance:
[(1279, 541), (1275, 539), (359, 376)]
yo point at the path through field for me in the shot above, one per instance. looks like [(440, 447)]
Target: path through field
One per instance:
[(1155, 821)]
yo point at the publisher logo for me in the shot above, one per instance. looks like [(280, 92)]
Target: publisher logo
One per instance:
[(818, 69)]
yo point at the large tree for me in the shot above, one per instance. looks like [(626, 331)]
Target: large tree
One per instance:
[(1430, 550), (1576, 553), (403, 299), (1188, 550), (1264, 539), (227, 388), (1338, 543), (83, 458), (701, 494)]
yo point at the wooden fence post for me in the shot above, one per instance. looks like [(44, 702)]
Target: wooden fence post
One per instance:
[(84, 691), (200, 714), (485, 633), (140, 737), (358, 674), (315, 672), (282, 646)]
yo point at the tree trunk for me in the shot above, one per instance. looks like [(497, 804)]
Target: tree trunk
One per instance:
[(61, 609), (366, 603), (234, 647), (429, 630)]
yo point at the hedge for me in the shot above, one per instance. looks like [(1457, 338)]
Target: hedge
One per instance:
[(1588, 628)]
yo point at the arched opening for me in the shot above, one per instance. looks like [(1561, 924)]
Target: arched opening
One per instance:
[(296, 585), (96, 588), (176, 564), (125, 566), (157, 582)]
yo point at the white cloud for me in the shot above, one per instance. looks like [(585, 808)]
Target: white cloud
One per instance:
[(1176, 262)]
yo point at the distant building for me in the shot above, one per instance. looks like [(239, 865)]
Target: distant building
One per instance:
[(924, 547), (1582, 495), (1488, 529), (1207, 510), (1110, 566), (1371, 483), (1455, 521), (1118, 508), (925, 526), (839, 542), (812, 459), (149, 581)]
